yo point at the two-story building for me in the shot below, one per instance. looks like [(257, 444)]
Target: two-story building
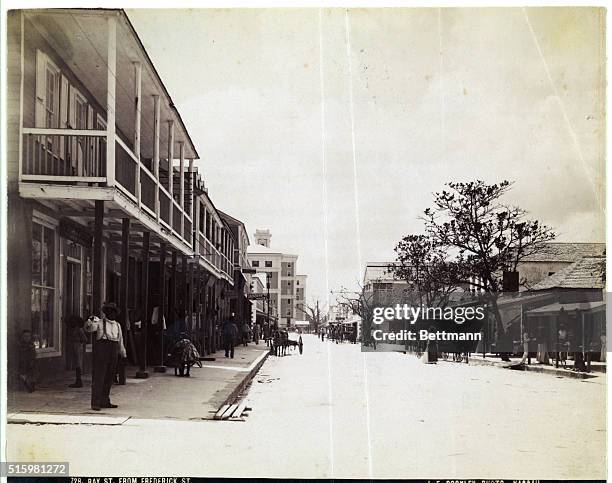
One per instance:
[(104, 201)]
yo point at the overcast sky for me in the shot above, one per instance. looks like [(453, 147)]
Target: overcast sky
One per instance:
[(437, 95)]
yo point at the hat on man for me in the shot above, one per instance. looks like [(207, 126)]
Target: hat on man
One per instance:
[(110, 310)]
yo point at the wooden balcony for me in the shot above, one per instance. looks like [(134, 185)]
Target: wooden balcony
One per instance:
[(68, 159), (213, 257)]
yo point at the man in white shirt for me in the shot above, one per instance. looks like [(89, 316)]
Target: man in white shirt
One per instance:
[(108, 346)]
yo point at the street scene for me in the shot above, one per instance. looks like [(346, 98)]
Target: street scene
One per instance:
[(307, 243), (336, 412)]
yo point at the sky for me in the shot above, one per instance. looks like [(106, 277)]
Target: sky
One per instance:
[(333, 127)]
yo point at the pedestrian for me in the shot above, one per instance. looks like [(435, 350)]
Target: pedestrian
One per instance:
[(256, 332), (108, 346), (77, 341), (27, 360), (267, 334), (246, 329), (230, 333)]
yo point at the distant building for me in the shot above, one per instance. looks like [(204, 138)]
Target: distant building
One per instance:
[(284, 281), (553, 258)]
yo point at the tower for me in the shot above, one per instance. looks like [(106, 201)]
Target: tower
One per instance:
[(262, 237)]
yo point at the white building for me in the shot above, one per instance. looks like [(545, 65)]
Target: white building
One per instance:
[(287, 289)]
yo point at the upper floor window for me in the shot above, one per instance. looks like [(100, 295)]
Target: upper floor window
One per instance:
[(255, 263), (268, 264), (47, 91)]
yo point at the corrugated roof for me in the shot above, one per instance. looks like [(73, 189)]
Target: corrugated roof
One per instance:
[(586, 273), (566, 252)]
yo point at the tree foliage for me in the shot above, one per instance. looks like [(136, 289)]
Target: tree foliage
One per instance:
[(471, 238)]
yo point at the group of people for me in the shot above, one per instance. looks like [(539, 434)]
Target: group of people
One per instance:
[(338, 333), (109, 351)]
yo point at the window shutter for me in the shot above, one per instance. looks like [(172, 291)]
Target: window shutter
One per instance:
[(63, 113), (72, 110), (90, 117), (64, 95), (41, 88)]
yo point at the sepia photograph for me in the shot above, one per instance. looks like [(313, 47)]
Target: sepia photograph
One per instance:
[(322, 241)]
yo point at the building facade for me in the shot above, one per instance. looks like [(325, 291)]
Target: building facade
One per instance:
[(104, 200), (280, 268)]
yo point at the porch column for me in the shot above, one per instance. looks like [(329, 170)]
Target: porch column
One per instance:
[(184, 283), (191, 191), (170, 170), (142, 371), (190, 298), (172, 302), (111, 75), (156, 120), (198, 316), (137, 109), (125, 253), (123, 289), (97, 273), (182, 184), (162, 303)]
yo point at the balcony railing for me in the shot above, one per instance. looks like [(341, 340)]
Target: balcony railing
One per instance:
[(214, 256), (176, 217), (164, 206), (80, 156), (63, 155)]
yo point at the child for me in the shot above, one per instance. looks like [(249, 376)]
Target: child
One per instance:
[(78, 339), (27, 360)]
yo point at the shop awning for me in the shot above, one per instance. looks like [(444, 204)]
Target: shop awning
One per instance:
[(554, 309)]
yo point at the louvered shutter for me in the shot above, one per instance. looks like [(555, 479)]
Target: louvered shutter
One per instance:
[(41, 88)]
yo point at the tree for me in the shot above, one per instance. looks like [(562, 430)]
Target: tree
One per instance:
[(360, 303), (484, 236), (427, 268), (314, 315)]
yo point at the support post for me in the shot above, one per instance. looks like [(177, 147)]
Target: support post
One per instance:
[(198, 302), (162, 303), (172, 302), (182, 184), (170, 169), (156, 125), (97, 257), (191, 190), (190, 311), (184, 283), (137, 110), (111, 75), (123, 291), (142, 371)]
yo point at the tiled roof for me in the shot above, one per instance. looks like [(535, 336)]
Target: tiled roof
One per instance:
[(566, 252), (586, 273)]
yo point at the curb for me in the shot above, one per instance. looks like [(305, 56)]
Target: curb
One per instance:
[(233, 396), (536, 369)]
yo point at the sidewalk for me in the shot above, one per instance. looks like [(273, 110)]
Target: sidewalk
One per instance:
[(161, 396), (597, 368)]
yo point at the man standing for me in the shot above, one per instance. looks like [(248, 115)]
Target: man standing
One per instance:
[(109, 345), (246, 329), (230, 333)]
